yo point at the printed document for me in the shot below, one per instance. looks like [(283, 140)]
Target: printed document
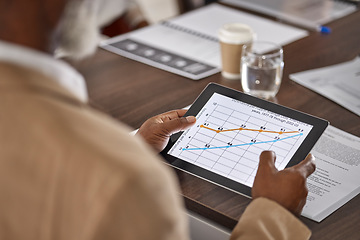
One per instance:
[(340, 83), (336, 179), (188, 45)]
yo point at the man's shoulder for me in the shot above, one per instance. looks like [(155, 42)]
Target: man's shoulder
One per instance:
[(45, 118)]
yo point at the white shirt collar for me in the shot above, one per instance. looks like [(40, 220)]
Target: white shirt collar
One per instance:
[(55, 69)]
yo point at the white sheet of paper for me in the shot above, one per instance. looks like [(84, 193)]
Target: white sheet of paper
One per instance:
[(208, 20), (188, 45), (340, 83), (307, 11), (336, 179)]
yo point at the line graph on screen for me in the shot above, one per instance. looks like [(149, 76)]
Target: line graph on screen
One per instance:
[(230, 135)]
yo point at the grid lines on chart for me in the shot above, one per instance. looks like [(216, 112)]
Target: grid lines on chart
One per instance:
[(229, 142)]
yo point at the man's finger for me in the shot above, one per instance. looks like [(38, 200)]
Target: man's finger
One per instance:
[(178, 124), (267, 162), (307, 166)]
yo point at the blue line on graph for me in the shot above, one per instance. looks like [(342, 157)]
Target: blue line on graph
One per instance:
[(243, 144)]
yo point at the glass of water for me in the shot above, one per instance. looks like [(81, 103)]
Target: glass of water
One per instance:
[(261, 69)]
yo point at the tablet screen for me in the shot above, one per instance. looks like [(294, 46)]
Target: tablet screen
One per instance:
[(229, 136)]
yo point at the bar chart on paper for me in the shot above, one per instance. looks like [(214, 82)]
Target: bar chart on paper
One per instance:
[(230, 135)]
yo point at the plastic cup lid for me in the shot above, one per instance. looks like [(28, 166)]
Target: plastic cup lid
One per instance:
[(236, 33)]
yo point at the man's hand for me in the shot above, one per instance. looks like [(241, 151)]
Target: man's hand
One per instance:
[(157, 130), (286, 187)]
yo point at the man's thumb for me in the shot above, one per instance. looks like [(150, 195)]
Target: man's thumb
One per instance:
[(267, 162), (179, 124)]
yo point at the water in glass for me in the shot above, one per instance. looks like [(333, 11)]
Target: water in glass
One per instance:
[(261, 73)]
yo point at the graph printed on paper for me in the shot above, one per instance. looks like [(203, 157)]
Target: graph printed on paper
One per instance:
[(229, 136)]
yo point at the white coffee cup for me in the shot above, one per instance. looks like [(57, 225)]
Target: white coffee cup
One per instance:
[(232, 37)]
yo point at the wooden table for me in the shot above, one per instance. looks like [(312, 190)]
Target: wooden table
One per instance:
[(132, 92)]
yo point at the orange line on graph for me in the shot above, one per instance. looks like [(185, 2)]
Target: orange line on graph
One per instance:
[(244, 129)]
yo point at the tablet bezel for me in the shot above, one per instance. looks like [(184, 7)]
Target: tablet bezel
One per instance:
[(319, 126)]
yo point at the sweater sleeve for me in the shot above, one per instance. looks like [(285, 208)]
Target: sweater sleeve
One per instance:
[(265, 219), (146, 205)]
